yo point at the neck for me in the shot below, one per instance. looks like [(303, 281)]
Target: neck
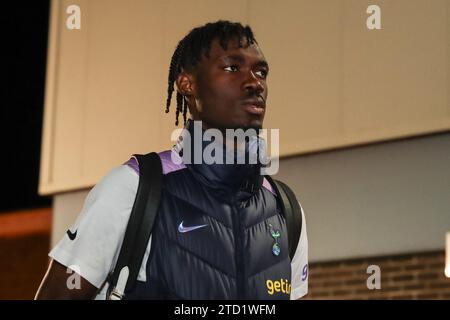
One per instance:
[(229, 141), (238, 161)]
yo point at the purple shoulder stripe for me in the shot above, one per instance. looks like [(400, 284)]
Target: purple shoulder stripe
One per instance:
[(133, 164), (167, 163), (166, 160), (267, 185)]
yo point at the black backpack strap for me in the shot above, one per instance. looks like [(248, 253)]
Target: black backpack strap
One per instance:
[(140, 224), (291, 211)]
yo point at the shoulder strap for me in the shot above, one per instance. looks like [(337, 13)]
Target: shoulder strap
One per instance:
[(291, 210), (139, 227)]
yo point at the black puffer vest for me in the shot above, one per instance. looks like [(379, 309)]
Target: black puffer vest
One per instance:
[(219, 234)]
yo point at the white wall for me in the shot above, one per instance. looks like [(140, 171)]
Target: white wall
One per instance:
[(373, 200)]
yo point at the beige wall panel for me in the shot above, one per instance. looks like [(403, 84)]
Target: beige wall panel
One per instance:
[(333, 83), (70, 98), (394, 79), (47, 141), (125, 88), (300, 40), (62, 140)]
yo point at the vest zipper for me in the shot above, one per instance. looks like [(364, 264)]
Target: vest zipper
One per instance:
[(239, 252)]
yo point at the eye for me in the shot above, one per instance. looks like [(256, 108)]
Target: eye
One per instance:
[(232, 68), (262, 73)]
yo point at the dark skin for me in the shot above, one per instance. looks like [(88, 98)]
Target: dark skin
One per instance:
[(216, 90), (218, 87), (53, 286)]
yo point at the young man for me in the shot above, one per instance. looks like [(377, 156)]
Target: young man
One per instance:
[(219, 232)]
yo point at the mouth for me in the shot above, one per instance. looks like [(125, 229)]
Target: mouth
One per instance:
[(254, 106)]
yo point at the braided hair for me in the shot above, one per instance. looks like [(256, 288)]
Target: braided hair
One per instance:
[(196, 44)]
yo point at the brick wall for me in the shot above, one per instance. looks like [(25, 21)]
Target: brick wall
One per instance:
[(24, 245), (408, 276), (24, 262)]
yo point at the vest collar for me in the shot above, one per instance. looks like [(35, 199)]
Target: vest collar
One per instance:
[(231, 178)]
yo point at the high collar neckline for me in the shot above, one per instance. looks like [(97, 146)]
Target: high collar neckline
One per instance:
[(225, 176)]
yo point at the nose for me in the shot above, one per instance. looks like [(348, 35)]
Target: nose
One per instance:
[(253, 84)]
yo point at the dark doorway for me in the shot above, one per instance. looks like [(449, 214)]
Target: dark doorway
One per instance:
[(24, 52)]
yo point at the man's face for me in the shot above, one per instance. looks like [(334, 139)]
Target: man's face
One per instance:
[(230, 87)]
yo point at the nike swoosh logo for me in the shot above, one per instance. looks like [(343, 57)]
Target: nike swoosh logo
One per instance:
[(183, 229), (72, 235)]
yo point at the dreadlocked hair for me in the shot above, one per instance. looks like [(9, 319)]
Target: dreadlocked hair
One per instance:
[(196, 44)]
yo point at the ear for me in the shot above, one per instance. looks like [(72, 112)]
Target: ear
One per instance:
[(185, 83)]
